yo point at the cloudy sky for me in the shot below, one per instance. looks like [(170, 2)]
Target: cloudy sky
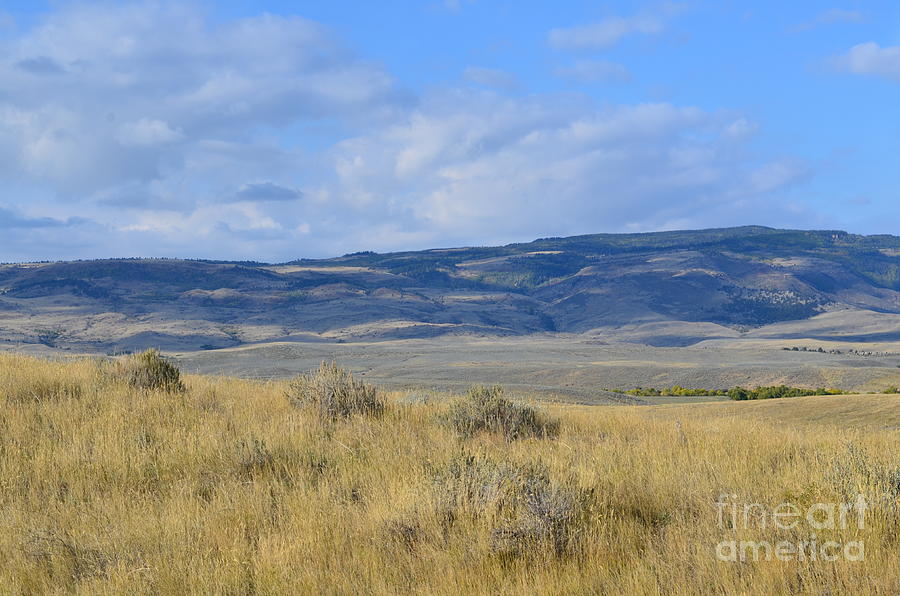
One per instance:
[(278, 130)]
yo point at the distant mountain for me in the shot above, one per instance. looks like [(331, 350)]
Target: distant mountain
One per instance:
[(697, 283)]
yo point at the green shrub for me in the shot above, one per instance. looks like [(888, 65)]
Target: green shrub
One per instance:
[(334, 393), (485, 409), (673, 391), (778, 391), (738, 394), (150, 371)]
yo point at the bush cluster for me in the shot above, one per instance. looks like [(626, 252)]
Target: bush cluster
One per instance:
[(775, 392), (334, 393), (525, 511), (674, 390), (857, 472), (485, 409), (149, 370), (735, 393)]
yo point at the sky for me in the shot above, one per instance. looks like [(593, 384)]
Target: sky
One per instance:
[(272, 131)]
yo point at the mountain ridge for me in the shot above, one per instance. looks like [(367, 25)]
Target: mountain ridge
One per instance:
[(733, 278)]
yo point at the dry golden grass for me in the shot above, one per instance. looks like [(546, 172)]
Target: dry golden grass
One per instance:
[(856, 411), (227, 488)]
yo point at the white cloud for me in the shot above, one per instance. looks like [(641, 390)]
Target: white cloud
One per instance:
[(147, 132), (491, 77), (475, 164), (831, 17), (10, 219), (838, 15), (776, 175), (741, 129), (99, 96), (196, 133), (266, 191), (456, 5), (594, 71), (40, 65), (611, 30), (871, 59)]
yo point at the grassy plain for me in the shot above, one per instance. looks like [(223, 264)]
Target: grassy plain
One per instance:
[(565, 367), (229, 488)]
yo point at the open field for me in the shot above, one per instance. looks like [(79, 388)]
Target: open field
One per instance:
[(565, 367), (227, 487), (873, 412)]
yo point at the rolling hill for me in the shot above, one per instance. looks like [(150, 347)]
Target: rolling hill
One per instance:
[(667, 288)]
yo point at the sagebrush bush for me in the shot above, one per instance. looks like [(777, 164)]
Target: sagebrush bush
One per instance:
[(525, 511), (856, 472), (66, 555), (149, 370), (334, 393), (485, 409)]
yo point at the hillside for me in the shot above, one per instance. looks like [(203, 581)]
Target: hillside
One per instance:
[(668, 288)]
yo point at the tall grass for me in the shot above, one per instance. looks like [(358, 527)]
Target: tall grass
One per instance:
[(228, 488)]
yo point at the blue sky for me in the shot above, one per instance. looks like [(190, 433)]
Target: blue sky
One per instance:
[(278, 130)]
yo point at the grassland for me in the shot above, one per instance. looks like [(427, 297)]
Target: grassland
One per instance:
[(564, 367), (872, 412), (227, 487)]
